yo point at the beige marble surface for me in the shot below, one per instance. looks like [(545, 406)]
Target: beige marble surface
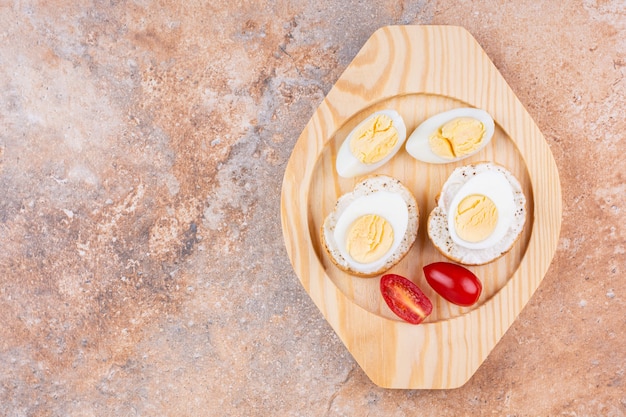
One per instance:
[(142, 147)]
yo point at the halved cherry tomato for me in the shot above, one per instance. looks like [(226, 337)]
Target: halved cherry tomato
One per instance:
[(453, 282), (405, 298)]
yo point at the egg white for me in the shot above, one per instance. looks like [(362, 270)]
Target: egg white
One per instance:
[(418, 146), (493, 185), (349, 166)]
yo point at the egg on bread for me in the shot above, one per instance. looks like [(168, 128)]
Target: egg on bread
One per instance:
[(480, 214), (372, 227)]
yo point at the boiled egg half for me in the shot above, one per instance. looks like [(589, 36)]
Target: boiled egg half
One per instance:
[(451, 136), (480, 214), (371, 144), (372, 227)]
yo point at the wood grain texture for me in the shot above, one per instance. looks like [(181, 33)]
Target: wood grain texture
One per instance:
[(419, 71)]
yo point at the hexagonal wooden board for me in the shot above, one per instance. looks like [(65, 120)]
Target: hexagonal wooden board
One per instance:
[(419, 71)]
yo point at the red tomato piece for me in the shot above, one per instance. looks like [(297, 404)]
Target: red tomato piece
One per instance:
[(453, 282), (405, 298)]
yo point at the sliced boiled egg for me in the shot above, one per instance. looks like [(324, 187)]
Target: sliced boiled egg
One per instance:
[(372, 227), (451, 136), (371, 144), (481, 211), (480, 214)]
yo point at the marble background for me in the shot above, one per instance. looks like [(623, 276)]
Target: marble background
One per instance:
[(142, 148)]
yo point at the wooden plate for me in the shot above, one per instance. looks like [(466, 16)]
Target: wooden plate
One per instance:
[(419, 71)]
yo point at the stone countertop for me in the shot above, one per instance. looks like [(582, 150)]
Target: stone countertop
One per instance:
[(142, 148)]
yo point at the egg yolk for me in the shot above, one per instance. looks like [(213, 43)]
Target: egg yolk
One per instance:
[(476, 218), (457, 138), (369, 238), (374, 140)]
